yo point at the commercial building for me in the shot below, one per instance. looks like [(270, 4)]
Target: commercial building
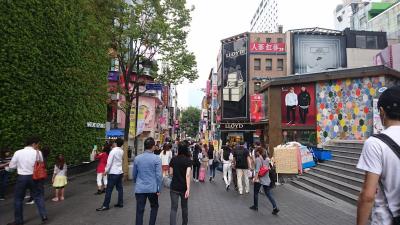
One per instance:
[(265, 19)]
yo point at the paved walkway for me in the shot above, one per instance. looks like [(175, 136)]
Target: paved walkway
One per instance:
[(209, 204)]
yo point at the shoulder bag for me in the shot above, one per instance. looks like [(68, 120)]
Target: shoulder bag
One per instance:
[(396, 149), (39, 169)]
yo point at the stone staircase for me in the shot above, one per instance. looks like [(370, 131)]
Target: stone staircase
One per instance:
[(337, 179)]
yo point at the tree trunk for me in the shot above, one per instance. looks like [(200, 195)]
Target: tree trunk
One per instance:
[(125, 165)]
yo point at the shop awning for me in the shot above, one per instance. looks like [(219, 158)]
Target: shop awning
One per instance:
[(115, 133)]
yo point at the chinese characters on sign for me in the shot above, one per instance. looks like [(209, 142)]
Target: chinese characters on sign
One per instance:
[(267, 47)]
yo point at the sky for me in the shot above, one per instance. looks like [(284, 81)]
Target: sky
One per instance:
[(214, 20)]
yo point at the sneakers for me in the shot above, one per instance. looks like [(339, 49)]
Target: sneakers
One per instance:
[(210, 179), (30, 202), (118, 206), (102, 209), (227, 187), (255, 208), (2, 199), (275, 211), (99, 192)]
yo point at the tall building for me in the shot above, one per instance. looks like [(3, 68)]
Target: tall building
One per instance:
[(266, 17)]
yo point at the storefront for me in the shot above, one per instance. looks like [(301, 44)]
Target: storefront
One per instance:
[(241, 132)]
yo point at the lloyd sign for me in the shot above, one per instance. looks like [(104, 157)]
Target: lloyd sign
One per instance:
[(238, 126)]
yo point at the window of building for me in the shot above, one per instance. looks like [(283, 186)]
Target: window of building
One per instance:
[(398, 19), (361, 41), (372, 42), (268, 40), (280, 65), (280, 40), (269, 64), (257, 86), (257, 64)]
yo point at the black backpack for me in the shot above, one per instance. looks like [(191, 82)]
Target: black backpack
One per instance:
[(241, 161)]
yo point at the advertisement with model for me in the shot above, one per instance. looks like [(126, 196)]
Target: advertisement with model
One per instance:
[(234, 77)]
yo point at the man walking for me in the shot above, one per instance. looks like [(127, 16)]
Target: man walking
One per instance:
[(114, 175), (24, 161), (380, 159), (291, 103), (304, 100), (148, 178), (242, 162)]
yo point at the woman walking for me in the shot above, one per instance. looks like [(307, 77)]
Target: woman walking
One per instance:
[(180, 168), (166, 156), (262, 180), (226, 159), (101, 177), (196, 162), (211, 160)]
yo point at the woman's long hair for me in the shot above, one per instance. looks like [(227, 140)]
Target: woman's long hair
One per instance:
[(262, 152), (60, 161), (166, 147)]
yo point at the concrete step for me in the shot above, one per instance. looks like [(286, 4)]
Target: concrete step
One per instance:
[(343, 195), (346, 153), (340, 163), (343, 148), (342, 158), (356, 173), (357, 144), (352, 189), (353, 180)]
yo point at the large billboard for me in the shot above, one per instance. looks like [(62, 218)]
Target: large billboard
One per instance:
[(298, 105), (315, 53), (234, 77)]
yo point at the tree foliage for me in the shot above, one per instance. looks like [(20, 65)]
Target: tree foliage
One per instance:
[(53, 73), (190, 121)]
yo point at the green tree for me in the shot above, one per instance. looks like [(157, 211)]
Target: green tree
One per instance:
[(144, 30), (53, 74), (190, 118)]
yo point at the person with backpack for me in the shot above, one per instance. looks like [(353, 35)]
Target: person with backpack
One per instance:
[(196, 162), (226, 159), (261, 179), (211, 161), (242, 163), (380, 159)]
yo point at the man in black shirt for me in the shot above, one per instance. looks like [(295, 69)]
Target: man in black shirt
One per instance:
[(242, 162), (180, 168), (304, 100)]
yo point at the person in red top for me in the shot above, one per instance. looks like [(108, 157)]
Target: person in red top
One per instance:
[(101, 178)]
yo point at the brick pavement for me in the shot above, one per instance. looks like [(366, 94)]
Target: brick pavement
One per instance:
[(209, 204)]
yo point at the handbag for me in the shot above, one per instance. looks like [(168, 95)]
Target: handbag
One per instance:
[(263, 170), (396, 149), (39, 169)]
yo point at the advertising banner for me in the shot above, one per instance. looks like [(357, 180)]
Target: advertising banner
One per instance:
[(378, 127), (315, 53), (267, 47), (234, 77), (298, 105), (146, 116), (256, 108)]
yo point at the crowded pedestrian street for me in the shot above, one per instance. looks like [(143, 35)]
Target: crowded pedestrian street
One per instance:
[(210, 204)]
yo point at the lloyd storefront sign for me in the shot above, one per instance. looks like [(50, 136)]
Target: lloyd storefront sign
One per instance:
[(237, 126)]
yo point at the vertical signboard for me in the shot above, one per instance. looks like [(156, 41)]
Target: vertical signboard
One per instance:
[(234, 77), (256, 108)]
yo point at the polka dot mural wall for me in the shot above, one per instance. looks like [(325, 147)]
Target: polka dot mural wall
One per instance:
[(344, 108)]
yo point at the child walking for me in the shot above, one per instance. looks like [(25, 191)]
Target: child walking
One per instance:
[(59, 178)]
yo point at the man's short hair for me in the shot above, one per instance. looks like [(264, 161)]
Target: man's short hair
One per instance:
[(149, 143), (32, 140), (183, 148), (119, 142), (390, 102)]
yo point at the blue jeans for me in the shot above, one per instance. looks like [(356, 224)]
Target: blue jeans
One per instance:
[(267, 191), (174, 207), (211, 170), (3, 182), (25, 182), (141, 204), (114, 180)]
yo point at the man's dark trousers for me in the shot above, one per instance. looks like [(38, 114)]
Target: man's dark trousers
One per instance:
[(141, 204), (25, 182), (114, 180)]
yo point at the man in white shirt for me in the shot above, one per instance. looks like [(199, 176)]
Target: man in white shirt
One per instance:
[(381, 164), (291, 102), (114, 175), (24, 161)]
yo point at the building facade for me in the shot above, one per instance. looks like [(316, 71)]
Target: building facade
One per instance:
[(265, 19)]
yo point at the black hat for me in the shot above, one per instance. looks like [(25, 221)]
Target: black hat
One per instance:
[(390, 101)]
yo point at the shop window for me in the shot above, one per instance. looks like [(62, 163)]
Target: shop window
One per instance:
[(280, 40), (257, 86), (372, 42), (280, 65), (269, 64), (360, 41), (268, 40), (257, 64)]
